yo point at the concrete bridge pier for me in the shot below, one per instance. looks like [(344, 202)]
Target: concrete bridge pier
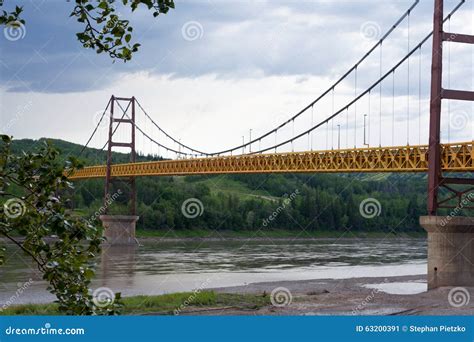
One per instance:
[(119, 229), (450, 250)]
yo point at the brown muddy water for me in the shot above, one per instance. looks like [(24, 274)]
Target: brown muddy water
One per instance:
[(159, 267)]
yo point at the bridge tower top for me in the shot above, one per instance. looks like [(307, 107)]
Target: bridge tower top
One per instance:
[(128, 117)]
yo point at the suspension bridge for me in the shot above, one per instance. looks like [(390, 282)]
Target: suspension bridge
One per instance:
[(455, 157), (356, 121)]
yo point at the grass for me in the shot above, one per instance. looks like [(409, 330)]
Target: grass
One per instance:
[(274, 233), (232, 187), (167, 304)]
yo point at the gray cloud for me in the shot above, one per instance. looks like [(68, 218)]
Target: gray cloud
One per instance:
[(239, 39)]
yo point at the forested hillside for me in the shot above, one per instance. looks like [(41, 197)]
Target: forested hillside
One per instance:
[(316, 202)]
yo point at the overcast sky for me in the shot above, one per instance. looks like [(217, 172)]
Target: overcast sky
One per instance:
[(209, 71)]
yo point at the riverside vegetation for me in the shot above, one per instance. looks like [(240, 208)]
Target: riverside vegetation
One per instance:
[(169, 304)]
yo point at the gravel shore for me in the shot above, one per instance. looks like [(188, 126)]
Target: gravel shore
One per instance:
[(357, 296)]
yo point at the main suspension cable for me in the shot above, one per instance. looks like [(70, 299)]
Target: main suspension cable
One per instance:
[(353, 68), (167, 135), (169, 149), (96, 127), (368, 90)]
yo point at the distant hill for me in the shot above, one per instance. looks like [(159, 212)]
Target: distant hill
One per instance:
[(91, 156)]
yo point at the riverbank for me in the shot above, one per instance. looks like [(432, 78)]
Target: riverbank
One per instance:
[(405, 295), (361, 296), (212, 235), (260, 235)]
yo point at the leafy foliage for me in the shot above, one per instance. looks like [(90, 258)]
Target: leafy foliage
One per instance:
[(104, 28), (35, 219), (322, 203), (11, 18)]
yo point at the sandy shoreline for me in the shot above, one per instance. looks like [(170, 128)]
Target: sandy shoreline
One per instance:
[(351, 297)]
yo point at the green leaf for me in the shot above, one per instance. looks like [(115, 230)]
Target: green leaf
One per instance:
[(103, 5)]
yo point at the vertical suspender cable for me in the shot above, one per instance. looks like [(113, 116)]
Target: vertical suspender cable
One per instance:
[(419, 98), (449, 83), (393, 108), (332, 122), (332, 134), (368, 124), (380, 99), (276, 133), (327, 134), (160, 152), (312, 124), (292, 135), (355, 108), (143, 139), (408, 82), (158, 146), (347, 127)]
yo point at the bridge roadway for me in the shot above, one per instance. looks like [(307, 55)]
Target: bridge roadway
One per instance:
[(455, 157)]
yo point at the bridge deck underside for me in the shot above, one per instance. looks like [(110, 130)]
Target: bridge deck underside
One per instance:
[(456, 157)]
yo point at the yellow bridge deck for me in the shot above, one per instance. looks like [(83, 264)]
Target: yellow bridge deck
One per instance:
[(457, 157)]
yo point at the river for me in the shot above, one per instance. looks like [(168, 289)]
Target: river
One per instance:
[(164, 267)]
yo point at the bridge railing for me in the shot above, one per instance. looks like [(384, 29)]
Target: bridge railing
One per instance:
[(456, 157)]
